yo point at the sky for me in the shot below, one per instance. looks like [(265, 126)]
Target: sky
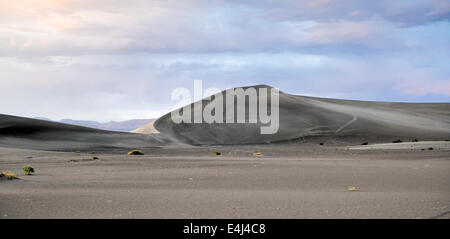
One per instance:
[(116, 60)]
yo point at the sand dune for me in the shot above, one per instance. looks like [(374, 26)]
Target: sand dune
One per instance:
[(325, 120), (301, 119), (20, 132)]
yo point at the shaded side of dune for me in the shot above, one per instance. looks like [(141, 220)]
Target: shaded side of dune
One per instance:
[(20, 132)]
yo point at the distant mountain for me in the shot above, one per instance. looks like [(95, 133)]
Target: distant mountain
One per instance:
[(123, 126)]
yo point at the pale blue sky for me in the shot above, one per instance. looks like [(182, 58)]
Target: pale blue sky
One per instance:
[(116, 60)]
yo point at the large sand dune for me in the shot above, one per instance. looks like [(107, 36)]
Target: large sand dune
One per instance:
[(324, 119)]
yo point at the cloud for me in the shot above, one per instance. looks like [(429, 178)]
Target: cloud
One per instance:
[(94, 59), (423, 87), (46, 28), (420, 85), (406, 14)]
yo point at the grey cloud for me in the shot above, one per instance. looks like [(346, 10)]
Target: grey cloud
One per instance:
[(405, 13), (117, 27)]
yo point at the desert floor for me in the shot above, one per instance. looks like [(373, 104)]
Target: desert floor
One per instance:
[(287, 181)]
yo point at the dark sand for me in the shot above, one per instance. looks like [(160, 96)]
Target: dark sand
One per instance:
[(288, 181), (295, 177)]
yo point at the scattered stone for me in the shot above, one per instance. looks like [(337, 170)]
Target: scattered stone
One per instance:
[(83, 160)]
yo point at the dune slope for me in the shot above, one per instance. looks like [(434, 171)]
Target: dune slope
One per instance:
[(146, 129), (20, 132)]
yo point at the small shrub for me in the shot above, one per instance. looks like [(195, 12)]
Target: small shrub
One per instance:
[(257, 154), (397, 141), (430, 148), (321, 143), (94, 158), (136, 152), (415, 140), (217, 153), (28, 170), (365, 143)]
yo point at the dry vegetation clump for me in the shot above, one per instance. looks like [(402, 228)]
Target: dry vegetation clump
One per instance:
[(136, 152), (257, 154), (8, 175)]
